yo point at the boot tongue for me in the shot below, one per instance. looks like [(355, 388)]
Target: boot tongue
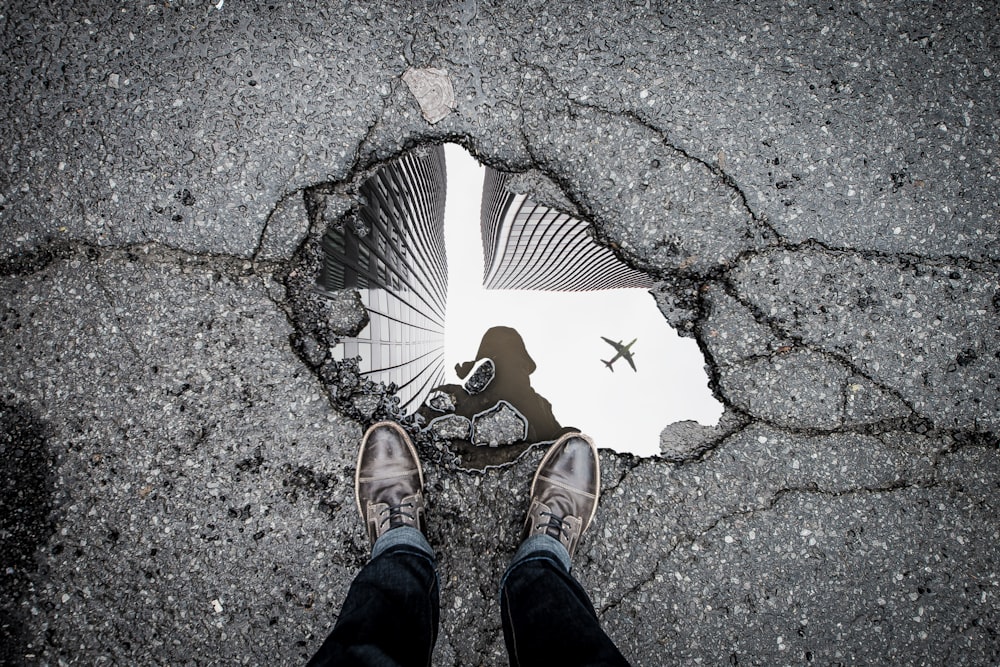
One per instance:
[(397, 519), (554, 529), (561, 506), (404, 514)]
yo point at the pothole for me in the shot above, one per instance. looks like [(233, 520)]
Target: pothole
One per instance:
[(525, 327)]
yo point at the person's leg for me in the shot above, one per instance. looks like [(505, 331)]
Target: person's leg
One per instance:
[(390, 616), (547, 617)]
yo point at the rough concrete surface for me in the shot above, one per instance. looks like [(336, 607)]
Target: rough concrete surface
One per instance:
[(814, 186)]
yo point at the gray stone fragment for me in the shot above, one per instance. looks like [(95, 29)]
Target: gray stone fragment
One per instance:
[(440, 401), (450, 427), (481, 376), (500, 425), (343, 311), (681, 440), (684, 440), (314, 351), (433, 90), (326, 208), (366, 404), (677, 299)]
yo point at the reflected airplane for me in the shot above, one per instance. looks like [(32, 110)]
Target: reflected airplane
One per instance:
[(621, 352)]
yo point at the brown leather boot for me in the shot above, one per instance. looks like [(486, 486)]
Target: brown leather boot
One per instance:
[(564, 491), (388, 482)]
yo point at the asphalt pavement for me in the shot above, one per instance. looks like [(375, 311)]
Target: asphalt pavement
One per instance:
[(814, 186)]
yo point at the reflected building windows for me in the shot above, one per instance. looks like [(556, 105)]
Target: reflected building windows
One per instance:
[(527, 246), (398, 265), (392, 251)]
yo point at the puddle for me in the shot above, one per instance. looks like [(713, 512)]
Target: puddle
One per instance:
[(555, 299)]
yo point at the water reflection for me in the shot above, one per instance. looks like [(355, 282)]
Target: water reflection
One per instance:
[(482, 397), (510, 261), (392, 251), (528, 246)]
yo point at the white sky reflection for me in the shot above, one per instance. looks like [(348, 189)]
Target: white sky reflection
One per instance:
[(623, 410)]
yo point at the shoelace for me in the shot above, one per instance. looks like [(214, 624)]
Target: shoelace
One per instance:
[(554, 522), (396, 511)]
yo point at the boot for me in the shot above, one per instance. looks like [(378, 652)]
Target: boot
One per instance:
[(564, 491), (389, 483)]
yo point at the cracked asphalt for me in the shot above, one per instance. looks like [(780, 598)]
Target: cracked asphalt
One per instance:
[(813, 185)]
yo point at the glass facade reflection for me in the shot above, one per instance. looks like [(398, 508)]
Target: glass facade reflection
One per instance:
[(392, 251), (527, 246), (397, 263)]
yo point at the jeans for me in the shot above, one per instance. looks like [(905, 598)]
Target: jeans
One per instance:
[(390, 616)]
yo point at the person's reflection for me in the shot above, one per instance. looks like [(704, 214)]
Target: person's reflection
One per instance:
[(511, 383)]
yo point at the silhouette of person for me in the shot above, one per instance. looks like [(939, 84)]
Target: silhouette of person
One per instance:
[(511, 382)]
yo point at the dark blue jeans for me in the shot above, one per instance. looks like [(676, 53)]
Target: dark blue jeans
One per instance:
[(390, 616)]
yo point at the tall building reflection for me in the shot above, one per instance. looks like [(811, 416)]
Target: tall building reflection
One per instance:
[(393, 253), (527, 246), (400, 270)]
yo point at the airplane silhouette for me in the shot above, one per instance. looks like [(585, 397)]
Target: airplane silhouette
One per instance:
[(621, 352)]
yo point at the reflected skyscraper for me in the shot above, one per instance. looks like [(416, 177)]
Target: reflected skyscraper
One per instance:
[(527, 246), (397, 263), (392, 251)]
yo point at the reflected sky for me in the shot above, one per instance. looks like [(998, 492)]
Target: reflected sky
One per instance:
[(562, 331)]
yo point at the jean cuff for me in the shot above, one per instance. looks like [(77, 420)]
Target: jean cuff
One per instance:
[(546, 544), (538, 547), (402, 536)]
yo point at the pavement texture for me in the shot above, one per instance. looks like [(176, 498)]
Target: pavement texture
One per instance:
[(813, 185)]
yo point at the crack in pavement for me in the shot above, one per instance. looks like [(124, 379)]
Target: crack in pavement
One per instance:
[(776, 497), (357, 65), (267, 221), (357, 168), (797, 341), (312, 369), (905, 259), (114, 308), (585, 212), (631, 463), (43, 255), (154, 253), (235, 265), (959, 441), (776, 239), (723, 176)]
